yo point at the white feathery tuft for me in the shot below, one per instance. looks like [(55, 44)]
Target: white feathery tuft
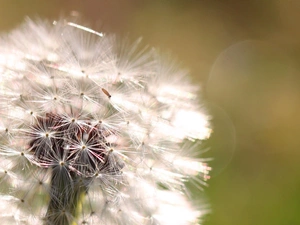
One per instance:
[(94, 130)]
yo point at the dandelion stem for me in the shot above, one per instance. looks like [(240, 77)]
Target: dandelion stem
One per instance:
[(66, 199)]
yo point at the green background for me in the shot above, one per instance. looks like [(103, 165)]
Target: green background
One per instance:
[(245, 55)]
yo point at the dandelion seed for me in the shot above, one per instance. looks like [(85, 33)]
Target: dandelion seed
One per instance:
[(106, 93), (95, 132)]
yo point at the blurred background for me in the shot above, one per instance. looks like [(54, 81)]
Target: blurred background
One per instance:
[(245, 55)]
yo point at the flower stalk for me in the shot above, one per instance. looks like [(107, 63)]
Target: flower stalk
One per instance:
[(66, 203)]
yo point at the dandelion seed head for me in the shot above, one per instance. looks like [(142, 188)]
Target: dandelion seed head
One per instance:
[(94, 130)]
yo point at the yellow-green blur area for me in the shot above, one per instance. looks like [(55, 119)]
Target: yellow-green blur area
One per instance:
[(246, 56)]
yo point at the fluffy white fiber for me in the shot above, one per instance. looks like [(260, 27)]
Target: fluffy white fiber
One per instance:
[(94, 130)]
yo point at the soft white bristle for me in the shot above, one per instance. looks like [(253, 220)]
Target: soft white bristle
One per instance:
[(94, 130)]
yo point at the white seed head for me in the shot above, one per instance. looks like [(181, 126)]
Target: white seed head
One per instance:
[(95, 131)]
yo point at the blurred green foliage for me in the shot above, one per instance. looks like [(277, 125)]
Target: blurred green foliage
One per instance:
[(245, 55)]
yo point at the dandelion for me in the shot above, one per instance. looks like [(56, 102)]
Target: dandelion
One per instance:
[(95, 131)]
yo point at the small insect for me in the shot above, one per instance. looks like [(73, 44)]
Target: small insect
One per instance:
[(106, 93)]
